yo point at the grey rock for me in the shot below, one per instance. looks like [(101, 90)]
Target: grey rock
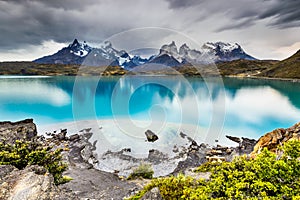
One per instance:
[(29, 184), (234, 139), (12, 131), (153, 194), (74, 137), (151, 137)]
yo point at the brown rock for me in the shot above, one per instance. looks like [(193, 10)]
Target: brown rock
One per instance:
[(277, 137)]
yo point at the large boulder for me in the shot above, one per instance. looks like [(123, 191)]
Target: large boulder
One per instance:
[(32, 183), (12, 131), (277, 137)]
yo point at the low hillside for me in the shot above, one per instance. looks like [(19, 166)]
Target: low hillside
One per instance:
[(288, 68), (245, 67), (31, 68)]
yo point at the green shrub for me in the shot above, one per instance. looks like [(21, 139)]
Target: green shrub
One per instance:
[(267, 176), (143, 170), (24, 153)]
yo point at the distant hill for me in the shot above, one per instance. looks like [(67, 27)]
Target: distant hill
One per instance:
[(288, 68), (31, 68), (245, 67)]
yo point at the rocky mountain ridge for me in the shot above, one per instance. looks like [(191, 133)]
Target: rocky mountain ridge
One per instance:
[(169, 55)]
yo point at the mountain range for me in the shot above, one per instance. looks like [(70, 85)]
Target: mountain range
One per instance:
[(72, 56), (168, 55)]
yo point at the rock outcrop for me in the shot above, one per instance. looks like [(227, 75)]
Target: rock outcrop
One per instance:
[(277, 137), (35, 183), (12, 131), (32, 183), (246, 145)]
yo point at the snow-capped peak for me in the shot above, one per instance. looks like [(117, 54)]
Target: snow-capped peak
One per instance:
[(171, 49), (79, 49), (224, 51), (106, 54), (222, 46), (209, 52), (184, 49)]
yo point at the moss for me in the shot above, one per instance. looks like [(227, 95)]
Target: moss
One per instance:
[(142, 171)]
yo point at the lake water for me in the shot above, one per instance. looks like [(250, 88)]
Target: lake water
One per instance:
[(241, 107)]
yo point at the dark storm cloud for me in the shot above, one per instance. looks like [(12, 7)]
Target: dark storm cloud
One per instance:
[(63, 4), (31, 22), (177, 4), (285, 12), (244, 13)]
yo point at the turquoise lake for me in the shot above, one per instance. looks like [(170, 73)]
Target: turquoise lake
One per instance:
[(242, 107)]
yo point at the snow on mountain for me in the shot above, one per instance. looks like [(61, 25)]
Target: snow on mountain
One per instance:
[(81, 53), (75, 53), (171, 50), (107, 55), (209, 52), (169, 54), (225, 47), (226, 51), (79, 49)]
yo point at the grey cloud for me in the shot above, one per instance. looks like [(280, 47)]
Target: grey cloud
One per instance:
[(32, 22), (286, 13), (61, 4), (177, 4), (236, 25), (27, 23)]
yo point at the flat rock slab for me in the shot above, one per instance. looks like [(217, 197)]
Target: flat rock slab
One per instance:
[(95, 184)]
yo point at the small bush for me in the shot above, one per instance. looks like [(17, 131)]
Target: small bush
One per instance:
[(24, 153), (143, 170)]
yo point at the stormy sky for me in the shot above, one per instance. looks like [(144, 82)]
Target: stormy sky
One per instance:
[(266, 29)]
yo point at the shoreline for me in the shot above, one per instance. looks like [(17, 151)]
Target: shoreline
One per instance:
[(296, 80), (81, 156), (115, 149)]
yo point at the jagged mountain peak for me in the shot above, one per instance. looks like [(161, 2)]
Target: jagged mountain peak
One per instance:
[(75, 43), (184, 49), (169, 48), (226, 46), (169, 54)]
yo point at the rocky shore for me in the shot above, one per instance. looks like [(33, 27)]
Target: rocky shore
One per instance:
[(34, 182)]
